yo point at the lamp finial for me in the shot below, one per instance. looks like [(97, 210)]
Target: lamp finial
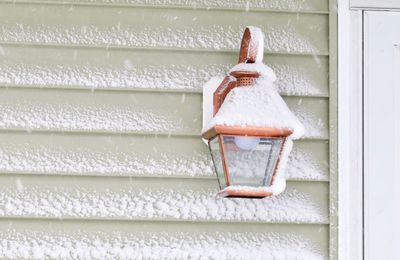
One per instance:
[(252, 45)]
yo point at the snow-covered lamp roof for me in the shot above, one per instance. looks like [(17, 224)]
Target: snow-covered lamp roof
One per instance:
[(259, 105)]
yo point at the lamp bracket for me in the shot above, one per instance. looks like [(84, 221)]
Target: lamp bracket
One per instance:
[(251, 51)]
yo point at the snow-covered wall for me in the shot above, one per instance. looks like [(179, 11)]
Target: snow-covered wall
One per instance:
[(100, 121)]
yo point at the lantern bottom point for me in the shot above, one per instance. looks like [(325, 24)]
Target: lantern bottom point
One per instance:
[(245, 192)]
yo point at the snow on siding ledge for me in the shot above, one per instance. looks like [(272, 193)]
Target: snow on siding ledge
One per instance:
[(111, 118), (301, 166), (217, 245), (315, 127), (295, 5), (291, 80), (52, 160), (136, 203), (72, 117), (278, 38)]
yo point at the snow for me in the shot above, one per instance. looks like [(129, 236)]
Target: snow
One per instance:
[(258, 37), (259, 106), (266, 72), (81, 160), (302, 166), (291, 80), (200, 204), (26, 113), (173, 76), (295, 5), (57, 159), (88, 117), (287, 39), (279, 182), (218, 37), (163, 245), (208, 107), (314, 126)]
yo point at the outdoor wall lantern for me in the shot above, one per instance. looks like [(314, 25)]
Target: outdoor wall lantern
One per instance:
[(251, 131)]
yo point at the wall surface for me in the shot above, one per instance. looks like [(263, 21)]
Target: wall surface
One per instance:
[(100, 119)]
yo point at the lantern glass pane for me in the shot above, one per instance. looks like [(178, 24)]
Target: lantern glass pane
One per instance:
[(251, 161), (217, 160)]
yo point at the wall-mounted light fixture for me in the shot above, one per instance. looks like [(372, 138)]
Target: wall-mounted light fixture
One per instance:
[(250, 135)]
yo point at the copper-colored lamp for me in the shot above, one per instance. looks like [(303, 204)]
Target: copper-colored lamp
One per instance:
[(245, 158)]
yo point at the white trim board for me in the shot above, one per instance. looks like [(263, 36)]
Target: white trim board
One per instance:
[(350, 105), (375, 4)]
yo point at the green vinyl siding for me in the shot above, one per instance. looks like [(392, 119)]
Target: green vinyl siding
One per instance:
[(100, 121), (165, 70)]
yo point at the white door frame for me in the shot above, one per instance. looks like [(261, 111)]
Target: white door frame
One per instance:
[(350, 122), (350, 148)]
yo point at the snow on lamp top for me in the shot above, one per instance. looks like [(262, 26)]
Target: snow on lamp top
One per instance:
[(258, 105)]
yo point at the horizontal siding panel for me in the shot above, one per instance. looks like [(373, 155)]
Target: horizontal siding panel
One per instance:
[(115, 112), (121, 240), (104, 155), (52, 67), (151, 156), (313, 114), (127, 112), (159, 28), (255, 5), (154, 199), (309, 160)]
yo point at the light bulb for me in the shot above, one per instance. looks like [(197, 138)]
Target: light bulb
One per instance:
[(246, 142)]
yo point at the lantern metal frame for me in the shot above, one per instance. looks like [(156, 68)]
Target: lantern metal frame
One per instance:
[(248, 54), (220, 131), (241, 192)]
